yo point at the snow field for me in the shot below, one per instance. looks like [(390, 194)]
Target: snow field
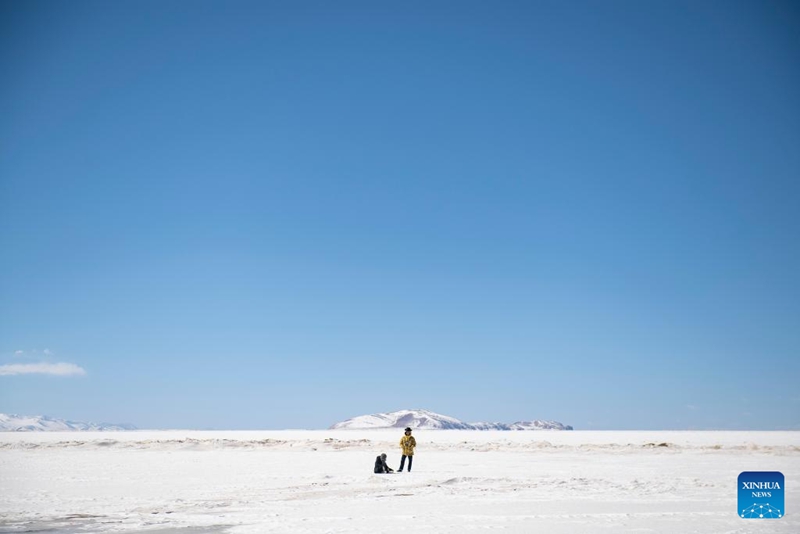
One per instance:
[(322, 481)]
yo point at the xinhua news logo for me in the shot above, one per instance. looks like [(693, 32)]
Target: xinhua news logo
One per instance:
[(761, 495)]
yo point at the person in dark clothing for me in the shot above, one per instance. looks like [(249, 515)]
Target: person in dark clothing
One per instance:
[(381, 466)]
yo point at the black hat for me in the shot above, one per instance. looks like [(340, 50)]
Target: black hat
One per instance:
[(408, 429)]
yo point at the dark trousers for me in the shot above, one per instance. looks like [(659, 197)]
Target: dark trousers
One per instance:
[(403, 462)]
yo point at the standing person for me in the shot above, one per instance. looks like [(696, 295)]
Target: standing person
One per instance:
[(380, 465), (407, 443)]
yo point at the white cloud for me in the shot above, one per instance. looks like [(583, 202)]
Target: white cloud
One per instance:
[(60, 369), (19, 353), (47, 352)]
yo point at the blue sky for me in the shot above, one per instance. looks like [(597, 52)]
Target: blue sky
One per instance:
[(272, 214)]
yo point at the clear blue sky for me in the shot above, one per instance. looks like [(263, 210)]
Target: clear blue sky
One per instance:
[(285, 214)]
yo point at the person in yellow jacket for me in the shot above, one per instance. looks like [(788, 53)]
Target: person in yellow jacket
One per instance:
[(407, 443)]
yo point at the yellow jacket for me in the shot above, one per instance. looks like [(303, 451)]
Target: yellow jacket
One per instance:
[(408, 443)]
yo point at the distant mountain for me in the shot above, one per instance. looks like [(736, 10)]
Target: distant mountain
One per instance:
[(39, 423), (433, 421), (522, 425), (402, 419)]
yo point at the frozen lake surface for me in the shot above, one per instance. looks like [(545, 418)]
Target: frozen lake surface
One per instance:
[(322, 481)]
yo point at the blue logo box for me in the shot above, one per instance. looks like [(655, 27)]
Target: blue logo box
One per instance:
[(761, 495)]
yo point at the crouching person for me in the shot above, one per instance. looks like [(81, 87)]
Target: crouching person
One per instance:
[(381, 466)]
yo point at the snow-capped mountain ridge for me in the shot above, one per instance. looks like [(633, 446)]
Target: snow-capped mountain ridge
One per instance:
[(42, 423), (425, 419)]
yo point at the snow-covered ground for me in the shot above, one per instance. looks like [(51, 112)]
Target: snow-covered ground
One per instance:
[(322, 481)]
